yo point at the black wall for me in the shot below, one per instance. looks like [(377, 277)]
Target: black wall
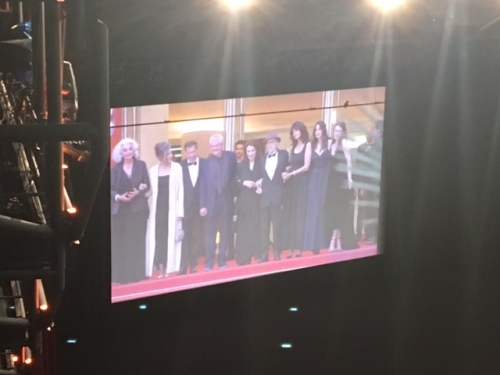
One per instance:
[(428, 305)]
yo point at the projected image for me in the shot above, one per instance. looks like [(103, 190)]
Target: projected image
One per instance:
[(210, 192)]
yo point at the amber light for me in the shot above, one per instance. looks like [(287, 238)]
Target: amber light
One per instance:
[(28, 360), (40, 295)]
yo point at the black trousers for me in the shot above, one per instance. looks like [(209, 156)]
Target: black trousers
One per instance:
[(231, 248), (218, 221), (367, 218), (270, 217), (192, 244)]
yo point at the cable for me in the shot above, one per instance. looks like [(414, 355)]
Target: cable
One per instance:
[(345, 105)]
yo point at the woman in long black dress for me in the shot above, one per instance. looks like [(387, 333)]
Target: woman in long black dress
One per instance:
[(296, 184), (340, 195), (248, 206), (314, 236), (130, 210)]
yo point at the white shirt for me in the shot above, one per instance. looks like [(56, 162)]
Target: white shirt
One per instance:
[(193, 170), (271, 164)]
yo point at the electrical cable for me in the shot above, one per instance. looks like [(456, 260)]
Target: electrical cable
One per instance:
[(345, 105)]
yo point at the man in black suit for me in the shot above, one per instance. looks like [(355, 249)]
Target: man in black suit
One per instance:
[(216, 199), (271, 186), (193, 223), (239, 151), (367, 175)]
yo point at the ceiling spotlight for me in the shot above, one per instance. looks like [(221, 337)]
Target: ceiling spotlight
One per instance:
[(237, 4), (387, 5)]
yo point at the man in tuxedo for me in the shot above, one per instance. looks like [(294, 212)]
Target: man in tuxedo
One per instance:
[(216, 199), (367, 175), (239, 151), (193, 222), (271, 186)]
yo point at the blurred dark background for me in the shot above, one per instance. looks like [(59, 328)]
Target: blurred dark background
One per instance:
[(429, 304)]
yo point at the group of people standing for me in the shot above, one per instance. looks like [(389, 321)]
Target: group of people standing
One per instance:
[(302, 199)]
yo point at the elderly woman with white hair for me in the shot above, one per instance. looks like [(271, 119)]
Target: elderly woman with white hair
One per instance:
[(129, 212), (163, 242)]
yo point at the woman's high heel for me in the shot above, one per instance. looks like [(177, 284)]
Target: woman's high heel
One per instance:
[(161, 272), (331, 249), (338, 245)]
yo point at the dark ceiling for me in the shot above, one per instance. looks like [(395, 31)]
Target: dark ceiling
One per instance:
[(191, 29)]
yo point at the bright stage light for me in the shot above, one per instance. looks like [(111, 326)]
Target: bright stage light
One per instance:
[(41, 299), (27, 359), (387, 5), (237, 4)]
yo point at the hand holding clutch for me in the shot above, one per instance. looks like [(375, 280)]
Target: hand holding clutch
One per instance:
[(179, 235)]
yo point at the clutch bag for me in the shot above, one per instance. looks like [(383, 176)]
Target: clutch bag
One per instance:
[(179, 235)]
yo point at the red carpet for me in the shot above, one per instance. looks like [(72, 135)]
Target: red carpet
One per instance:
[(174, 283)]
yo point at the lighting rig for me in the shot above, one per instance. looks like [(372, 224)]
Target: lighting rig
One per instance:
[(46, 133)]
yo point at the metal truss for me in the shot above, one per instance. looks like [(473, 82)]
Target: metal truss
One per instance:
[(40, 143)]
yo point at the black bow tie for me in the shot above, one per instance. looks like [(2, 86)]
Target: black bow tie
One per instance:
[(271, 155), (193, 163)]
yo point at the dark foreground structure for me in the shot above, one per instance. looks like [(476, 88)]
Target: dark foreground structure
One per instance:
[(427, 305)]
